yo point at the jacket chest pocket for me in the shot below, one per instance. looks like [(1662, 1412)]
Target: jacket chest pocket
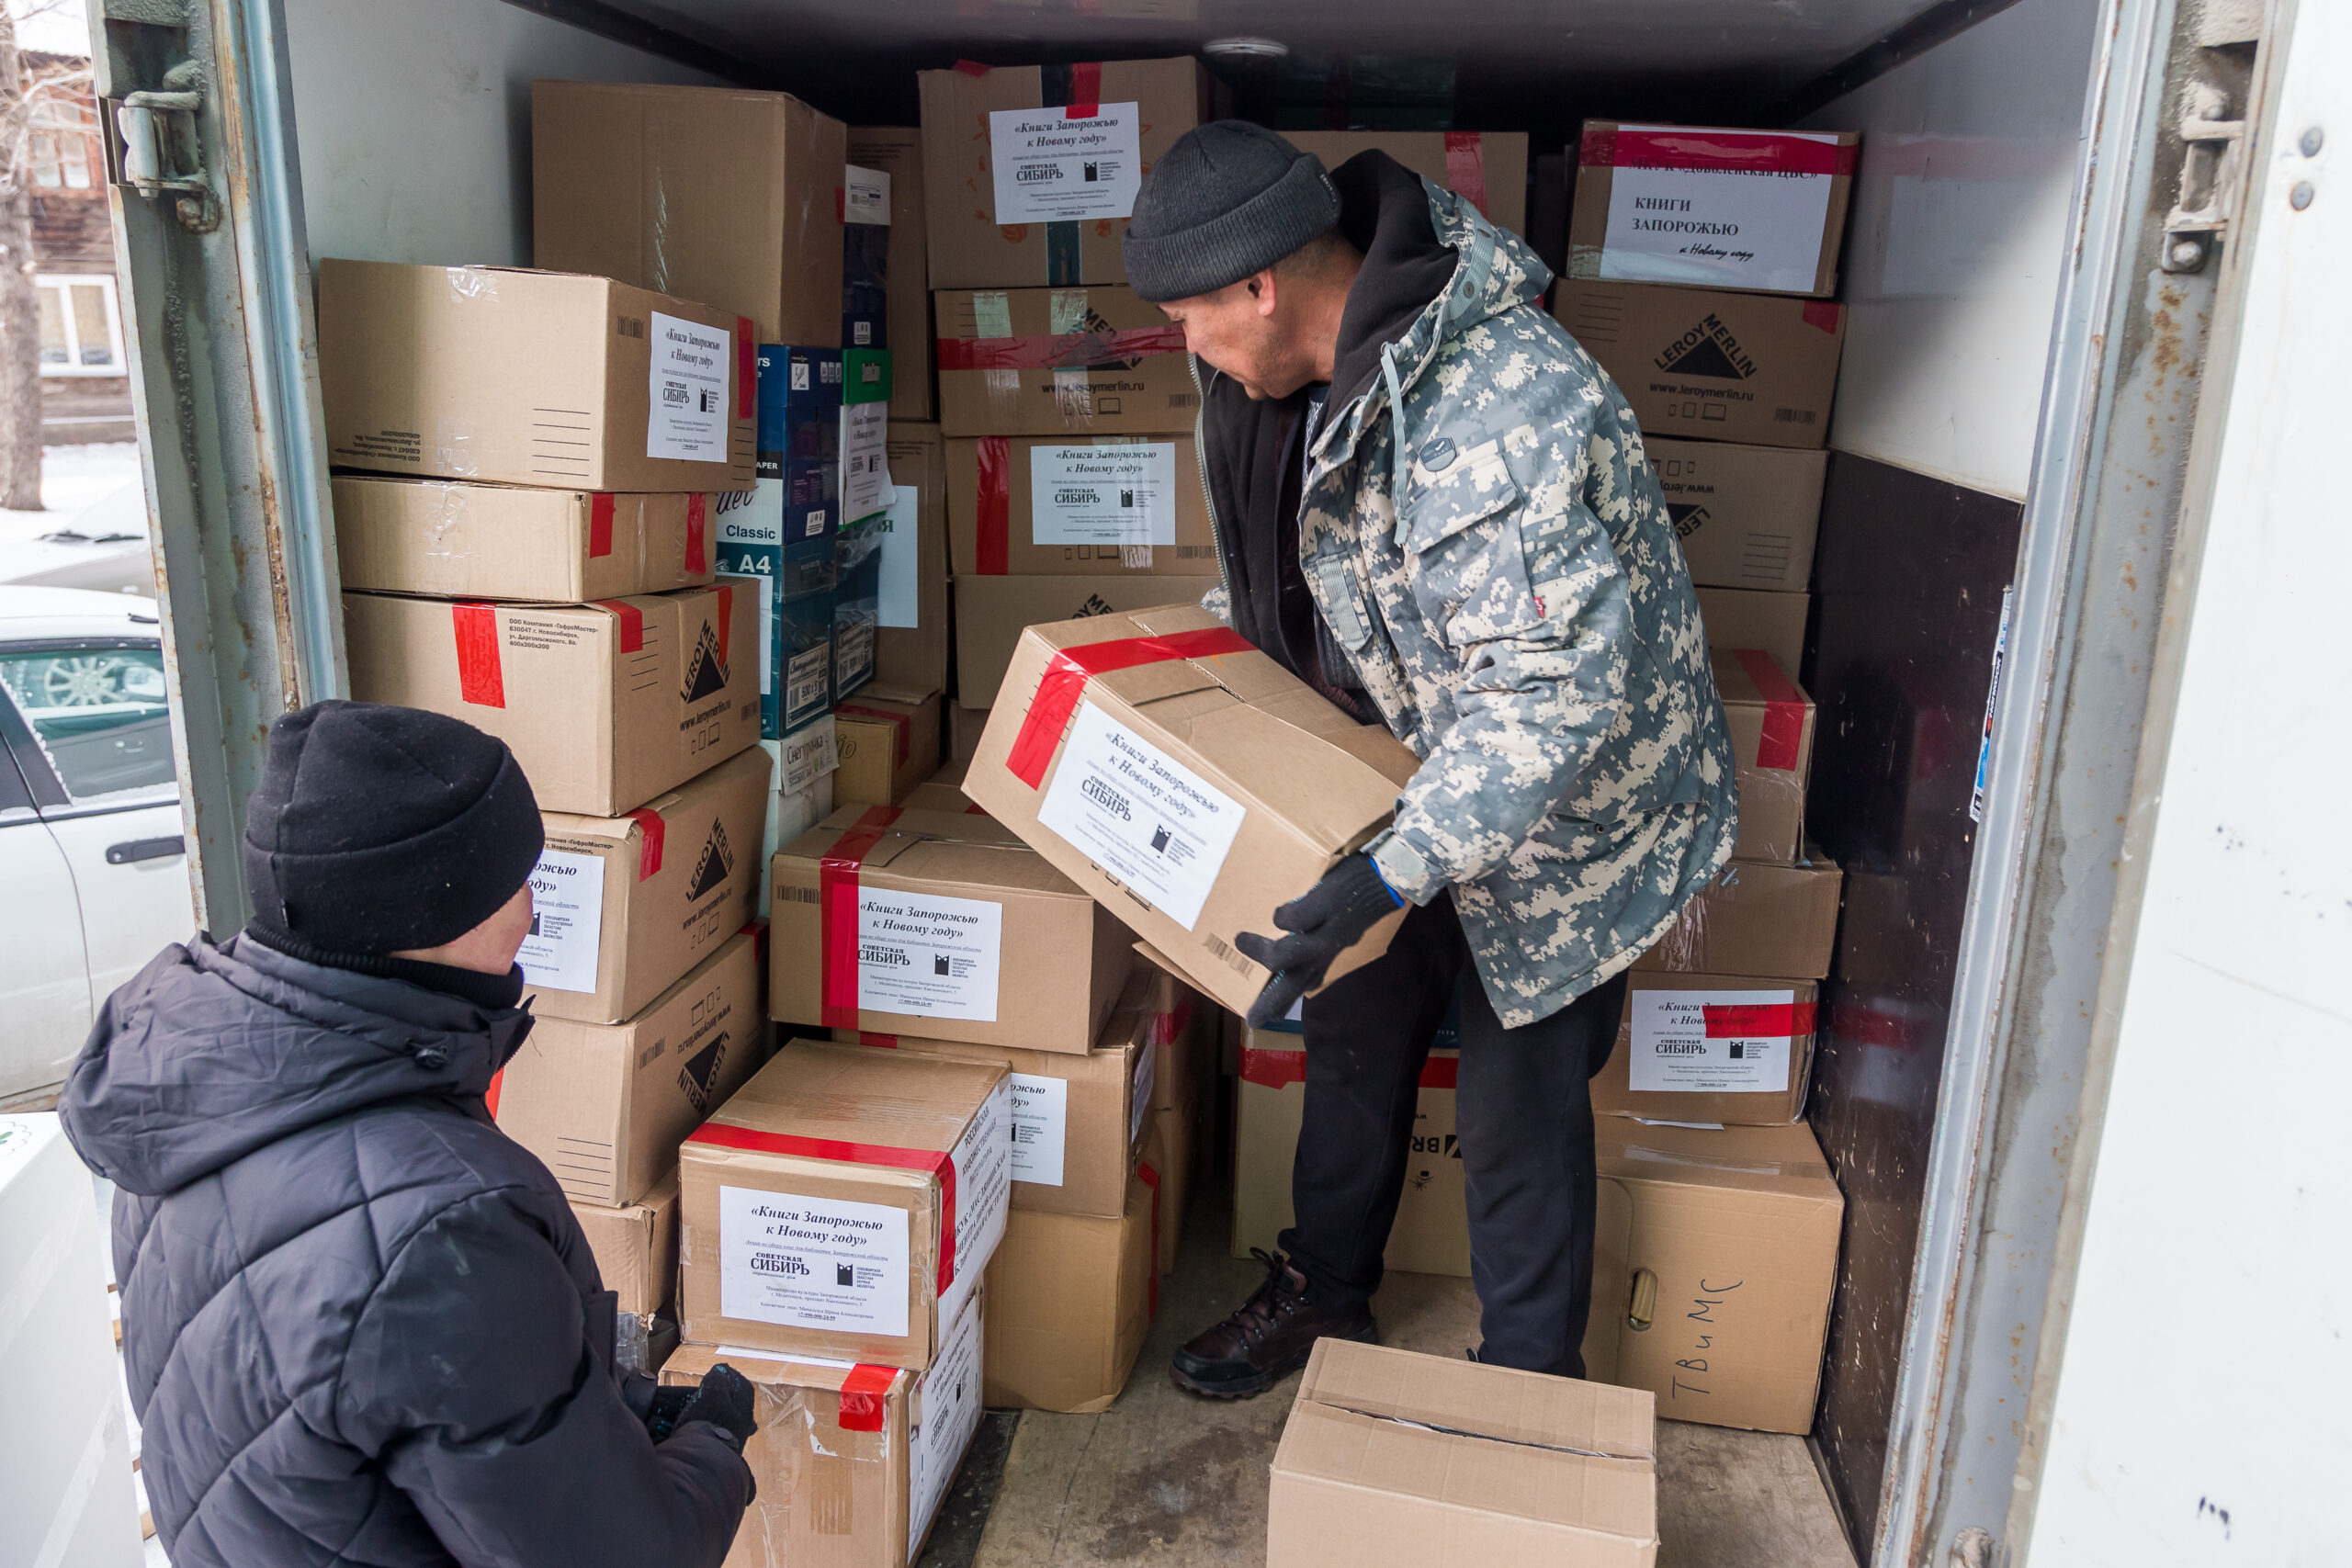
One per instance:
[(1465, 562)]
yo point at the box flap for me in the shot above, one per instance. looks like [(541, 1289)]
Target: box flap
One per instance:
[(1784, 1160), (1498, 1403), (770, 1369), (850, 1096)]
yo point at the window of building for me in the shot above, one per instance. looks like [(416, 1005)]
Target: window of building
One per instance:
[(62, 148), (81, 327)]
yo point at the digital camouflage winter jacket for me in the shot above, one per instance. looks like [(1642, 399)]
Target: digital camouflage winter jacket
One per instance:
[(1523, 620)]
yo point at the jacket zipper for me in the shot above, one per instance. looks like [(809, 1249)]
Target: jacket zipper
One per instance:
[(1201, 461)]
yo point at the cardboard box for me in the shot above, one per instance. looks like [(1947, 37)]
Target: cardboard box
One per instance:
[(635, 1246), (783, 535), (1734, 1050), (500, 375), (605, 1105), (965, 725), (843, 1203), (992, 612), (1016, 201), (606, 705), (1078, 1120), (621, 906), (1060, 361), (850, 1464), (1756, 918), (1191, 793), (1107, 506), (1746, 515), (1735, 1259), (935, 794), (1489, 167), (1746, 617), (962, 932), (1183, 1024), (470, 541), (1165, 1164), (1771, 741), (1070, 1300), (1394, 1457), (910, 649), (890, 743), (1710, 206), (715, 193), (897, 151), (1757, 368)]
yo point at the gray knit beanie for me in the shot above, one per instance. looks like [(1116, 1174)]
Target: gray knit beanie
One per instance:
[(1229, 199)]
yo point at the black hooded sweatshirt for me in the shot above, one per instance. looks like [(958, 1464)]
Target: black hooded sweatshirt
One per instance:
[(1254, 452), (360, 1323)]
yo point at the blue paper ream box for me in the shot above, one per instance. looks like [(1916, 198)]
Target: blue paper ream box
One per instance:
[(857, 603), (781, 534), (865, 278)]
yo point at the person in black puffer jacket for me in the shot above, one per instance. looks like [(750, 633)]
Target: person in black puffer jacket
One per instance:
[(360, 1323)]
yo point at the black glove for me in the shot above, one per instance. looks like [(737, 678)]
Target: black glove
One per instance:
[(724, 1400), (1325, 920)]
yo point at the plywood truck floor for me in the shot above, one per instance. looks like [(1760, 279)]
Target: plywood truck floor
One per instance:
[(1164, 1478)]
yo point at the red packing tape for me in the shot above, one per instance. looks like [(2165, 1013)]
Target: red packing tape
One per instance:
[(632, 623), (885, 1042), (1465, 167), (973, 68), (1167, 1026), (1151, 1179), (1065, 679), (1782, 746), (600, 525), (900, 723), (864, 1394), (726, 621), (482, 680), (747, 367), (837, 918), (1771, 1021), (1822, 314), (1763, 152), (994, 552), (720, 1134), (697, 533), (1279, 1070), (1063, 351), (1085, 90), (648, 857)]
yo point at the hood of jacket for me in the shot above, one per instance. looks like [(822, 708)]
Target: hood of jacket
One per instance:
[(214, 1051)]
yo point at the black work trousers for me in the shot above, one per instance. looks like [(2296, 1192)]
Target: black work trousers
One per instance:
[(1524, 1121)]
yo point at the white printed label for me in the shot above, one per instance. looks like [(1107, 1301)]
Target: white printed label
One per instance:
[(901, 569), (768, 589), (1712, 1042), (1146, 1077), (865, 475), (865, 195), (929, 955), (1109, 494), (1725, 228), (1051, 168), (806, 756), (1040, 1128), (567, 921), (686, 411), (804, 1262), (949, 1401), (1147, 819), (983, 1160), (805, 677)]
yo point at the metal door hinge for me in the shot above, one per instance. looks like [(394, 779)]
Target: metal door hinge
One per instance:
[(2210, 176), (156, 152)]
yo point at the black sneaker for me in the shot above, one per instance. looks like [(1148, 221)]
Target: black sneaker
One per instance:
[(1266, 1340)]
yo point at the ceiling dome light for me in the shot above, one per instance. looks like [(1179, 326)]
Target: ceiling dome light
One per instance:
[(1245, 49)]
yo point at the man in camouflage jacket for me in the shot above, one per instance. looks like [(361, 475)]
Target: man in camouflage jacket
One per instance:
[(1433, 506)]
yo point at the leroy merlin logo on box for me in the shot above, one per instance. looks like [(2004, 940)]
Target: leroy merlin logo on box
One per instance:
[(1707, 349)]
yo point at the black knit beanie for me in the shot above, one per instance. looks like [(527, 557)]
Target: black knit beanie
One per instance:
[(1228, 199), (381, 829)]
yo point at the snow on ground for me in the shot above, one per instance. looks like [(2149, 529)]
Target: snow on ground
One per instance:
[(98, 509)]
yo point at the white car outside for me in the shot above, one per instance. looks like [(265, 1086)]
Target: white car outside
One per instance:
[(91, 851)]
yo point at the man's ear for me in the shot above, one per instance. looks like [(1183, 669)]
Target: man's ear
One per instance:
[(1261, 289)]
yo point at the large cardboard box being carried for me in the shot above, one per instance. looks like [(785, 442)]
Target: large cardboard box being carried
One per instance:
[(1061, 362), (897, 151), (635, 1246), (1070, 1299), (942, 925), (1756, 918), (1489, 167), (622, 905), (851, 1461), (1711, 1048), (1186, 779), (467, 541), (1760, 369), (910, 649), (992, 612), (1389, 1457), (1734, 1257), (1746, 515), (843, 1203), (505, 376), (1077, 1120), (1112, 505), (1716, 208), (1030, 171), (1771, 741), (721, 194), (605, 1105), (604, 705)]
